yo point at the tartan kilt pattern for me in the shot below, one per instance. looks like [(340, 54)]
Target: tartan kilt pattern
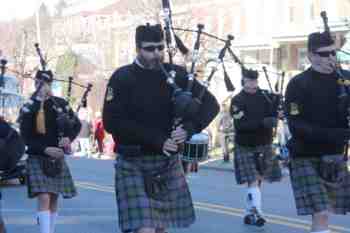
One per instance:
[(312, 194), (137, 210), (38, 182), (245, 165)]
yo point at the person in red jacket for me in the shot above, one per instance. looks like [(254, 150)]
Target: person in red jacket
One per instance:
[(99, 133)]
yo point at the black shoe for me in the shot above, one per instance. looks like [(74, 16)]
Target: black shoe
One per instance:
[(260, 221), (255, 220), (249, 219)]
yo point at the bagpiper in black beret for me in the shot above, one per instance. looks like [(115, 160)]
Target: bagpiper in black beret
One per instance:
[(318, 40), (250, 74), (149, 33), (46, 75)]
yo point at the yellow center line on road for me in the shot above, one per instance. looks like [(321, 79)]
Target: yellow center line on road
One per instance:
[(269, 216), (276, 219), (94, 187)]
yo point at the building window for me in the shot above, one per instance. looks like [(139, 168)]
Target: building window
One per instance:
[(291, 13), (309, 7), (303, 61), (312, 11)]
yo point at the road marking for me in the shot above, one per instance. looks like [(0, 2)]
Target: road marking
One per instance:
[(94, 185), (96, 188), (278, 222), (269, 216), (14, 210), (276, 219)]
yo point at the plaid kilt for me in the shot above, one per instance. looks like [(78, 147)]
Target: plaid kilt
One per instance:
[(246, 169), (137, 210), (312, 194), (38, 182)]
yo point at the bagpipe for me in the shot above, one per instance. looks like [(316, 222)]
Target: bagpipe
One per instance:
[(281, 131), (66, 118), (186, 105), (343, 79), (277, 93)]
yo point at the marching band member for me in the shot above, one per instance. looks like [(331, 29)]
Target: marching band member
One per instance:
[(317, 120), (254, 115), (151, 189), (48, 173)]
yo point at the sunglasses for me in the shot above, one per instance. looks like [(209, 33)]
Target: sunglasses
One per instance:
[(326, 53), (152, 48)]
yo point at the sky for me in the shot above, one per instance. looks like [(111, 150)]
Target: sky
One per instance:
[(20, 9)]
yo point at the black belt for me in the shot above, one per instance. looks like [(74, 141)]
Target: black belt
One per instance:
[(130, 151)]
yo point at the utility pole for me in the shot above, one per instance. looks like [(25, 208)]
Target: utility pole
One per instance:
[(37, 17)]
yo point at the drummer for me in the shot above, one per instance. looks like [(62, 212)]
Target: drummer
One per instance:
[(254, 114)]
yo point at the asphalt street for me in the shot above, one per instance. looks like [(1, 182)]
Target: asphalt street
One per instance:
[(218, 203)]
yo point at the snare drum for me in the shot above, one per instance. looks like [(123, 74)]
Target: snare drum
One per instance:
[(196, 149)]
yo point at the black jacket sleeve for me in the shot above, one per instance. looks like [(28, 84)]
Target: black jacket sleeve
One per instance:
[(5, 129), (242, 122), (27, 131), (299, 126), (119, 122)]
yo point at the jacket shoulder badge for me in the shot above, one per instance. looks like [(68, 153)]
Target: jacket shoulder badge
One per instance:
[(294, 109), (110, 94), (237, 113)]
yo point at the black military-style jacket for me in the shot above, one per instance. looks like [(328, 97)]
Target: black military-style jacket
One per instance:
[(36, 142), (316, 118), (248, 112), (138, 107)]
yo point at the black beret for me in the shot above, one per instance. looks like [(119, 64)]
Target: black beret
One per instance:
[(250, 74), (149, 33), (46, 75), (317, 40)]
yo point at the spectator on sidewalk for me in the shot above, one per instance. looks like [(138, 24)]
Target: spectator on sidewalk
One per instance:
[(225, 128), (84, 136), (99, 133)]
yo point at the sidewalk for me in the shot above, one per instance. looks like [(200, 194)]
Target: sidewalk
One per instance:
[(216, 161), (95, 156), (217, 164)]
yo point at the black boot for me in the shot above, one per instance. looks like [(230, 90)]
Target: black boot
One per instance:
[(249, 219), (260, 221), (254, 218)]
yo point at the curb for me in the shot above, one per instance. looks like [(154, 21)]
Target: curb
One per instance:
[(205, 165)]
